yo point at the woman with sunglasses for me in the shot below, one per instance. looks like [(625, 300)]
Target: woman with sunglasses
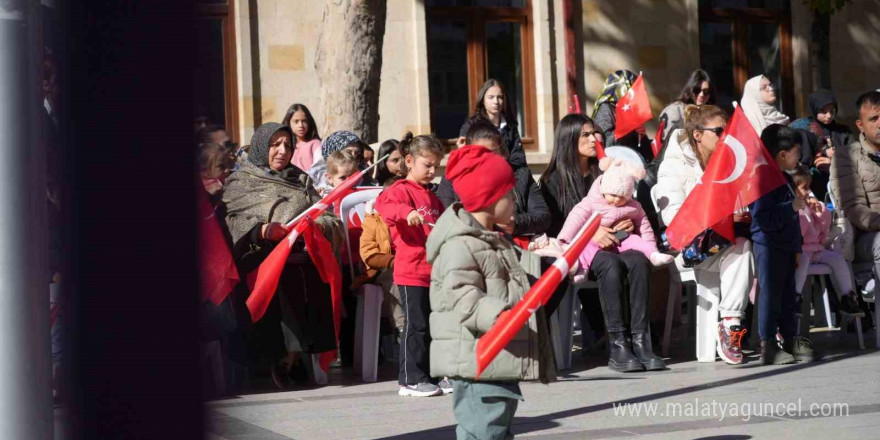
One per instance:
[(731, 271), (698, 90)]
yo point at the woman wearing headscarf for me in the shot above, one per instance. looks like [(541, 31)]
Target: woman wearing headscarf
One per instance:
[(605, 115), (759, 104), (338, 141), (822, 134), (259, 200)]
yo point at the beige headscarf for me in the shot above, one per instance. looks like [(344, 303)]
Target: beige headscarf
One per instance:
[(759, 113)]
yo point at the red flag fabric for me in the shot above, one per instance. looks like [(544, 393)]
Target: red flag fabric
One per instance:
[(600, 149), (740, 169), (270, 269), (322, 255), (657, 143), (633, 109), (511, 321), (217, 272)]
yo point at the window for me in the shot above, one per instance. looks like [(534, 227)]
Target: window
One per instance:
[(740, 39), (216, 83), (470, 41)]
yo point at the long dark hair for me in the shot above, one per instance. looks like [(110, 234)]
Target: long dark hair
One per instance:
[(565, 161), (507, 111), (382, 173), (312, 132), (691, 89)]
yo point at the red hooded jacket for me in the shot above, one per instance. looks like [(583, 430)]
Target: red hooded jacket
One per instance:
[(411, 267)]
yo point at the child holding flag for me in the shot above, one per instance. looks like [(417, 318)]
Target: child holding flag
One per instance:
[(410, 208), (477, 274), (777, 239)]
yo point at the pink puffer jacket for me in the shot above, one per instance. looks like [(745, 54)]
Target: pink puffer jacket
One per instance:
[(814, 228), (594, 202)]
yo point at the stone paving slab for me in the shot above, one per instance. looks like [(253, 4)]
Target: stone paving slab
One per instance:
[(584, 404)]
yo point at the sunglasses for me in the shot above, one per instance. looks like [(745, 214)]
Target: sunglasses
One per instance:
[(705, 91), (716, 130)]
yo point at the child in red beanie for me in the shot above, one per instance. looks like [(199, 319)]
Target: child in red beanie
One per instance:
[(476, 275), (410, 208)]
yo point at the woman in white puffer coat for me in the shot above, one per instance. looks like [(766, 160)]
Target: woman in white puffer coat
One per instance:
[(731, 272)]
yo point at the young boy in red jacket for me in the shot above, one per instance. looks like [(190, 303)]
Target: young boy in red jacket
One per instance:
[(410, 209)]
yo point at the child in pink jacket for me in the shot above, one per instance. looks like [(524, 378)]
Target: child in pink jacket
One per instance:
[(815, 223), (611, 197)]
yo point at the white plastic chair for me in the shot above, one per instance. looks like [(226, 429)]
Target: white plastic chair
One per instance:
[(677, 276), (625, 153), (369, 306)]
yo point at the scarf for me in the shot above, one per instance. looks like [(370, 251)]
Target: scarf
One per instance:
[(758, 112), (616, 85)]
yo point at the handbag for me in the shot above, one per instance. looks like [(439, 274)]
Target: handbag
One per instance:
[(705, 245)]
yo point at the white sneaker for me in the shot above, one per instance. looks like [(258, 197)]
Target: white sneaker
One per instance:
[(659, 258), (445, 386), (421, 390)]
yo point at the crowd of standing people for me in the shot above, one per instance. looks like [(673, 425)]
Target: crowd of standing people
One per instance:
[(452, 252)]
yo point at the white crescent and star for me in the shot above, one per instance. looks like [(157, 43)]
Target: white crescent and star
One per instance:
[(739, 152)]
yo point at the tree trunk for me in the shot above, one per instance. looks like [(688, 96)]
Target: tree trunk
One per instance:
[(820, 52), (349, 66)]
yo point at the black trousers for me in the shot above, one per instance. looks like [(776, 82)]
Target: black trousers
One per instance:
[(415, 362), (624, 290)]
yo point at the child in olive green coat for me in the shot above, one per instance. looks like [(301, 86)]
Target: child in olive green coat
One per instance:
[(477, 274)]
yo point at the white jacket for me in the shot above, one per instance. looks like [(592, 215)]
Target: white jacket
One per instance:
[(679, 173)]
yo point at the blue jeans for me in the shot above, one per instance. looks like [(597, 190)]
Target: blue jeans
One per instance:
[(777, 296)]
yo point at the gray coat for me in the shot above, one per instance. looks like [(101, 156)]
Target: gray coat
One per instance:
[(476, 275), (855, 181)]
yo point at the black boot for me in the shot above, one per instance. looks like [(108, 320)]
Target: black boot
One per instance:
[(620, 356), (641, 347)]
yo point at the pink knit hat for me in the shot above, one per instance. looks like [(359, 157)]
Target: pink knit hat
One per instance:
[(619, 176)]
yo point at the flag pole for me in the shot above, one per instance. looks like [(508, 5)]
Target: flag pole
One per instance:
[(360, 175)]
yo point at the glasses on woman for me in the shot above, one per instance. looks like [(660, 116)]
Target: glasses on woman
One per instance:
[(704, 92), (716, 130)]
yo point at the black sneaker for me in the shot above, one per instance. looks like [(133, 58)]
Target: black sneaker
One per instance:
[(801, 349), (771, 354), (850, 306)]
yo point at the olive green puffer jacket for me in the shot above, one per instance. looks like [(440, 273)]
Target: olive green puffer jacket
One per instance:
[(476, 274)]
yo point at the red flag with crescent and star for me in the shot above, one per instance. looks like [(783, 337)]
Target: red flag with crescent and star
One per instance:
[(741, 169), (633, 109)]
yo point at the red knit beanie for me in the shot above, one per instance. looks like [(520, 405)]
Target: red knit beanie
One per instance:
[(479, 176)]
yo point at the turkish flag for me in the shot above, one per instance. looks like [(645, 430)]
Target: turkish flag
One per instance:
[(633, 109), (267, 275), (217, 272), (657, 143), (739, 172), (600, 149), (509, 322)]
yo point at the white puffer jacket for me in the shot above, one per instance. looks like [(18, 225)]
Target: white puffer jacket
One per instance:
[(679, 173)]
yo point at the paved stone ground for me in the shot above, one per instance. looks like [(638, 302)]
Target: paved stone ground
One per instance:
[(582, 404)]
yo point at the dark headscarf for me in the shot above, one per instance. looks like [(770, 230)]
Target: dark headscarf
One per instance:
[(258, 154), (820, 98), (338, 141)]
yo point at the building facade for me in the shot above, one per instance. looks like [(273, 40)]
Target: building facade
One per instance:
[(260, 57)]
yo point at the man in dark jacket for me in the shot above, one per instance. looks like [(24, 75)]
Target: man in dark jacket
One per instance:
[(532, 215)]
